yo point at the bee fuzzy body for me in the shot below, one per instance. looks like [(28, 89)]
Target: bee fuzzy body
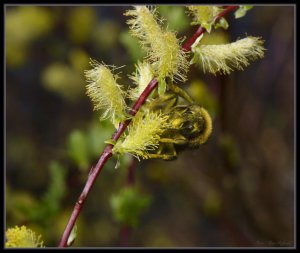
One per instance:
[(189, 126)]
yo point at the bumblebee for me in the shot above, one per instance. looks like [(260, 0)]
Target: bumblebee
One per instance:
[(190, 125)]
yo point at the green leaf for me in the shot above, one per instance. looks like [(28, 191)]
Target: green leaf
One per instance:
[(242, 10), (207, 27), (162, 86), (222, 23)]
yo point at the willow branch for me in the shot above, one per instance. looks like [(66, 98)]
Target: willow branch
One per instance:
[(107, 153)]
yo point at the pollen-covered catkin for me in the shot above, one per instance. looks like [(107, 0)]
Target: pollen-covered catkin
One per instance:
[(144, 25), (142, 77), (162, 47), (168, 58), (22, 237), (105, 93), (143, 135), (227, 57)]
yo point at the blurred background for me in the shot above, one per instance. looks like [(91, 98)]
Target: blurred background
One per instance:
[(237, 190)]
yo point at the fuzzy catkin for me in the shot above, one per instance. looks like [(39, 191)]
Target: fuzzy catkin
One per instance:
[(227, 57), (105, 93), (142, 77), (162, 47), (143, 135), (22, 237)]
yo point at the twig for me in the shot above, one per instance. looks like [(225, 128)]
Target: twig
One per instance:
[(107, 153)]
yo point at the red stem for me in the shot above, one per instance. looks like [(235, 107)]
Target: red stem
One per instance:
[(142, 99), (187, 46), (107, 153)]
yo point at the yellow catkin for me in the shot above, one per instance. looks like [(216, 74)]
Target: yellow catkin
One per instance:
[(208, 126), (227, 57), (144, 24), (105, 93), (168, 58), (22, 237), (141, 78), (143, 135), (162, 47)]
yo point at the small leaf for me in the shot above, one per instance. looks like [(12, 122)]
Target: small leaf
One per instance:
[(222, 23), (110, 141), (162, 85), (242, 10), (72, 236), (207, 27), (118, 163), (197, 41)]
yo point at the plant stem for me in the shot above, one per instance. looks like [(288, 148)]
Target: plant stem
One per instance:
[(107, 153)]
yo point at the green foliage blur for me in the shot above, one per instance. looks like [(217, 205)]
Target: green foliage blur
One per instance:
[(127, 206), (236, 190)]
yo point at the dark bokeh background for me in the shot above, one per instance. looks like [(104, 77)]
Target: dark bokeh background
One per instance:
[(236, 190)]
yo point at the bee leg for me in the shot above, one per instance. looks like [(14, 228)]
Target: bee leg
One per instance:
[(171, 101), (174, 141), (180, 92), (166, 152), (165, 102), (166, 157)]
